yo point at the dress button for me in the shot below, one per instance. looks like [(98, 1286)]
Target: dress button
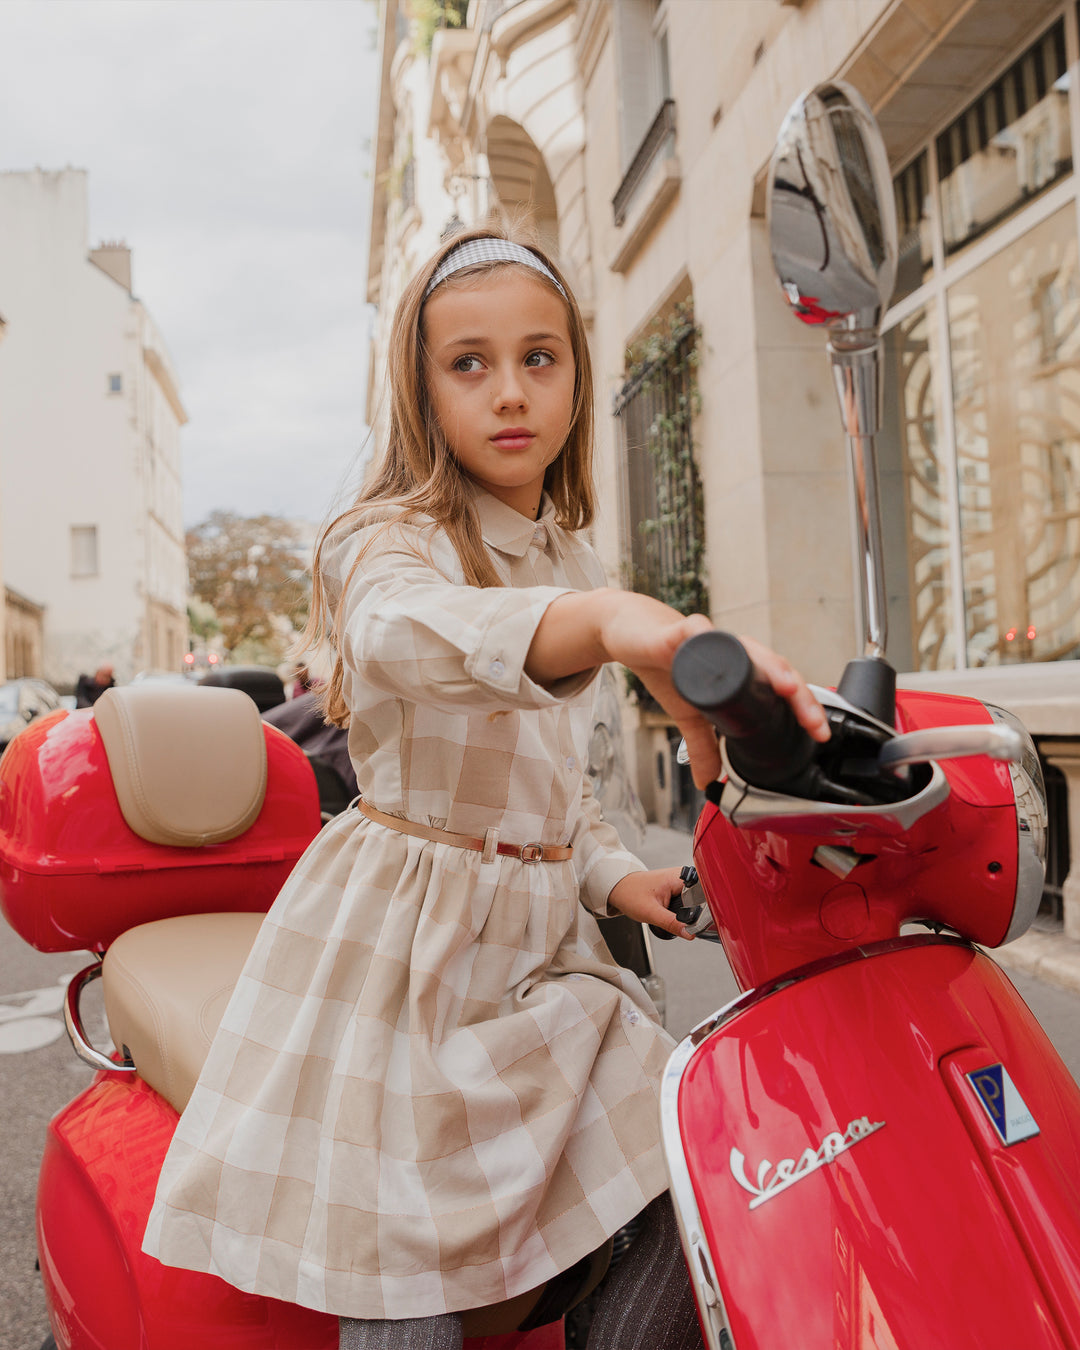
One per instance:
[(570, 761), (632, 1016), (496, 669)]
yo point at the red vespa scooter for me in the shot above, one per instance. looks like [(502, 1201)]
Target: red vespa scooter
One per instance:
[(875, 1146), (156, 829)]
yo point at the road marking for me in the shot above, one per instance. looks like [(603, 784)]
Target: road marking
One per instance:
[(29, 1021)]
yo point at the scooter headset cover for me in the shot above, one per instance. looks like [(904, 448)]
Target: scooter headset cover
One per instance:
[(489, 250)]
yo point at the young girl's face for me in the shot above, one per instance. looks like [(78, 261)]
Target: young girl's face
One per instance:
[(500, 373)]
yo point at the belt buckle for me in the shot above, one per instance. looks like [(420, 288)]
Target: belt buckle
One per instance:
[(530, 853)]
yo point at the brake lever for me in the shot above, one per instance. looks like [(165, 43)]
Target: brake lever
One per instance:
[(917, 747)]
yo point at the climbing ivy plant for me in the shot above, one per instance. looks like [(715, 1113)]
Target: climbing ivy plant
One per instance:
[(657, 406)]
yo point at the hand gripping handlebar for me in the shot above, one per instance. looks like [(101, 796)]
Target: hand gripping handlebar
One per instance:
[(766, 745)]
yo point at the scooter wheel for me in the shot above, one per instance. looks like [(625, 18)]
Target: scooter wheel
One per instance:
[(49, 1343)]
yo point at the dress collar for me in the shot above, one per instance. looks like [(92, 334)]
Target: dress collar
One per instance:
[(508, 530)]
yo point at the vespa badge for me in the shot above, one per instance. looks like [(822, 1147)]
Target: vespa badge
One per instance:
[(1007, 1110), (772, 1180)]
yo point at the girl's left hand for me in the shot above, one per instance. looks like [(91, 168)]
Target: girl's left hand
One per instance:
[(644, 896)]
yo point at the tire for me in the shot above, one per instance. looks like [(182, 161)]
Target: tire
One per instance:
[(49, 1343)]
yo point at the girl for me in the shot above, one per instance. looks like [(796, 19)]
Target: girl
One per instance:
[(433, 1089)]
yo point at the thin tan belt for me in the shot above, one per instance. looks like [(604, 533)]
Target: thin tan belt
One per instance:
[(488, 846)]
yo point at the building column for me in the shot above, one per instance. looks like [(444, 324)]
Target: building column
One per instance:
[(1065, 755)]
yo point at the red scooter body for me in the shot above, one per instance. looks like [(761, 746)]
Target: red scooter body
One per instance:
[(875, 1146), (103, 1153), (74, 875), (839, 1179)]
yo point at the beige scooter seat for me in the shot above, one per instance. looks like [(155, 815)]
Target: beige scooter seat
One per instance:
[(166, 985)]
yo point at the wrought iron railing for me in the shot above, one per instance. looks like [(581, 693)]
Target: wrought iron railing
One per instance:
[(663, 527)]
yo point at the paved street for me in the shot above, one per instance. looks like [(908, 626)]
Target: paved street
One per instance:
[(39, 1072)]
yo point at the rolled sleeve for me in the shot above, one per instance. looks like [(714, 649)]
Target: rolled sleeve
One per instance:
[(409, 629), (599, 857)]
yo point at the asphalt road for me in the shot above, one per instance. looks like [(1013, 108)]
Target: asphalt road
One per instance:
[(38, 1074), (39, 1071)]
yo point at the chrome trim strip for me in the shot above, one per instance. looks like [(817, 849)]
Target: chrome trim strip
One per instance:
[(1029, 796), (73, 1023), (703, 1278), (756, 808), (1030, 876)]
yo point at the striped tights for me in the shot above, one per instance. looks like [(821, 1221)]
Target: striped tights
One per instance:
[(645, 1304)]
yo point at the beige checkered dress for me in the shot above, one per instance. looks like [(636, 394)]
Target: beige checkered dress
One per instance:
[(432, 1088)]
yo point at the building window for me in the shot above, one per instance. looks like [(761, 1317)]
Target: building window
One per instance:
[(915, 500), (981, 451), (646, 108), (115, 384), (84, 551), (1011, 144)]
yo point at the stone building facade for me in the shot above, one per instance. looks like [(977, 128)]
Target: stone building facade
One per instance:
[(91, 527), (636, 135)]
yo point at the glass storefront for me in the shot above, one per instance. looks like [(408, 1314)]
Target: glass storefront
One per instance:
[(981, 449), (915, 499), (1015, 338)]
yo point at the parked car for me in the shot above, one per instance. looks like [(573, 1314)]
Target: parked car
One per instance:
[(261, 683), (162, 676), (22, 702)]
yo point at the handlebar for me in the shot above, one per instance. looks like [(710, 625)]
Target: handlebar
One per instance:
[(863, 764), (765, 743)]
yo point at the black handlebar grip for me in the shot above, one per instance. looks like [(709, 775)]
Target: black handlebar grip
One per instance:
[(766, 745), (689, 878)]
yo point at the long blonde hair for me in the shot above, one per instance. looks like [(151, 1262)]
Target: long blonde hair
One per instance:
[(418, 475)]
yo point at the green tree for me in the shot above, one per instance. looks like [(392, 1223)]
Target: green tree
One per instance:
[(249, 569), (431, 15), (202, 621)]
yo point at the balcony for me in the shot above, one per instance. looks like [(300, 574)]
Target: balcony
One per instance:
[(648, 186), (659, 143)]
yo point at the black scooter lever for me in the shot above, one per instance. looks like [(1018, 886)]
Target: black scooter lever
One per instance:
[(686, 914)]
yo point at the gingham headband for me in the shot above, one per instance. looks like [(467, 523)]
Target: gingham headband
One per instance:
[(488, 250)]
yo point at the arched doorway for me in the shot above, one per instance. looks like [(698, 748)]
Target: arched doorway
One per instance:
[(521, 180)]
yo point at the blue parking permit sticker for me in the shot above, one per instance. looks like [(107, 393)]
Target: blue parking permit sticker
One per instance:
[(1000, 1100)]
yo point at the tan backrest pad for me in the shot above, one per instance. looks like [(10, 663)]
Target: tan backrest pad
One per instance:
[(188, 764)]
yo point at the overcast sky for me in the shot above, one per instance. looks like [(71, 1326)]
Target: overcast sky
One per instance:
[(228, 143)]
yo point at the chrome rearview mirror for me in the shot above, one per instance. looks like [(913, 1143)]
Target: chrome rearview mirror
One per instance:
[(832, 231), (832, 223)]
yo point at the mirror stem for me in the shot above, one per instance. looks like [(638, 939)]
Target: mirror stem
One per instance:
[(856, 365)]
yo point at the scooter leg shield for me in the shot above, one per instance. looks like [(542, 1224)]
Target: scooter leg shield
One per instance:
[(841, 1180)]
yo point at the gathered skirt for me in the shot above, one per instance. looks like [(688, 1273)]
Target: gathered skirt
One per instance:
[(432, 1088)]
